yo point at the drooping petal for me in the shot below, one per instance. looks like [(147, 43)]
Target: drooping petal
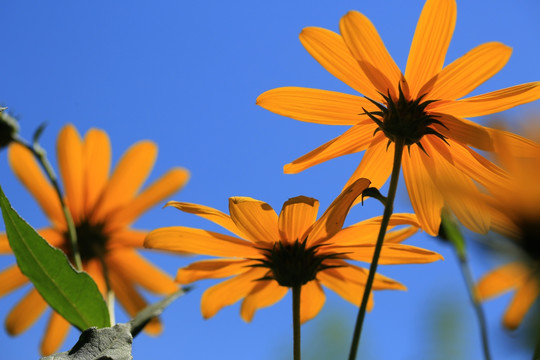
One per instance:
[(254, 218), (263, 294), (97, 164), (390, 254), (158, 191), (312, 299), (329, 49), (55, 334), (229, 292), (522, 301), (25, 313), (69, 149), (468, 72), (11, 279), (139, 271), (333, 218), (430, 43), (209, 213), (130, 173), (296, 216), (314, 105), (492, 102), (365, 44), (426, 199), (356, 139), (212, 269), (501, 280), (196, 241), (30, 174)]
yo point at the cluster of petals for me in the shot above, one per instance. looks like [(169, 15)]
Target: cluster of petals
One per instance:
[(256, 228), (358, 57), (93, 196)]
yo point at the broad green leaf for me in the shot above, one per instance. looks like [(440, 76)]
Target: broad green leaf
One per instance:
[(73, 294)]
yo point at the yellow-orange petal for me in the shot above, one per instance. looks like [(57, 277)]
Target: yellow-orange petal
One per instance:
[(502, 279), (355, 139), (131, 171), (430, 43), (69, 149), (4, 244), (11, 279), (522, 301), (25, 313), (329, 49), (492, 102), (134, 267), (55, 334), (314, 105), (97, 164), (94, 268), (254, 218), (355, 274), (263, 294), (30, 174), (390, 254), (352, 292), (127, 238), (312, 299), (196, 241), (426, 199), (209, 213), (366, 46), (376, 164), (296, 216), (465, 131), (468, 72), (229, 292), (158, 191), (212, 269), (367, 232), (333, 218)]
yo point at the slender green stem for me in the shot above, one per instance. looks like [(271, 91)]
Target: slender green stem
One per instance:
[(469, 282), (388, 209), (110, 293), (41, 156), (296, 320)]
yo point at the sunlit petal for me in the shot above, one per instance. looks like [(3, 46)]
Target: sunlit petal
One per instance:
[(390, 254), (503, 279), (55, 334), (11, 279), (522, 301), (212, 269), (296, 216), (254, 218), (25, 313), (312, 299), (263, 294), (97, 163)]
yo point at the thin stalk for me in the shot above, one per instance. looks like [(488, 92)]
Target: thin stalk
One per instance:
[(469, 282), (296, 321), (41, 156), (388, 209), (109, 298)]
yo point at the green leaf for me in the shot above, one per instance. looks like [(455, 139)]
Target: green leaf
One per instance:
[(73, 294)]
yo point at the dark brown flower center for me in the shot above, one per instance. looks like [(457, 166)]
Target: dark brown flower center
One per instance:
[(530, 237), (91, 239)]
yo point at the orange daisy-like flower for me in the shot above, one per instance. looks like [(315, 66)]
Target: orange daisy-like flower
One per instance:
[(272, 253), (421, 108), (102, 206), (515, 213)]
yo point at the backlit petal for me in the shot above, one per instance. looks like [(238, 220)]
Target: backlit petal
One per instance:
[(127, 238), (465, 131), (358, 275), (522, 301), (352, 292), (196, 241), (97, 163), (430, 43), (11, 279), (70, 163), (315, 106), (4, 244), (254, 218), (95, 270), (263, 294), (25, 313), (296, 216), (329, 49), (55, 334), (312, 299), (502, 279), (367, 232), (390, 254), (212, 269)]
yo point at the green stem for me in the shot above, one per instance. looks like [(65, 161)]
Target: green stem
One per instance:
[(110, 293), (469, 282), (296, 321), (41, 156), (388, 209)]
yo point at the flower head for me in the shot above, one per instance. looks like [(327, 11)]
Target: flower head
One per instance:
[(103, 206), (271, 253), (424, 107)]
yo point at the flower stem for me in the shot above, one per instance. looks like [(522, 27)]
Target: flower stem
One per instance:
[(388, 209), (41, 156), (296, 321)]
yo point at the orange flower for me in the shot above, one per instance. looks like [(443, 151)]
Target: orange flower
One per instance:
[(272, 253), (425, 108), (103, 207)]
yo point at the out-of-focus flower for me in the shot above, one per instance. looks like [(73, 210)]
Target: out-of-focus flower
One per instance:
[(271, 253), (102, 206), (424, 108)]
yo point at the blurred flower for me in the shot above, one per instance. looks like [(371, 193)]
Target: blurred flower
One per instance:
[(515, 213), (272, 253), (421, 108), (103, 207)]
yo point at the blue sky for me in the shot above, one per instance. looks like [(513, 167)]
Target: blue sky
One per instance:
[(186, 75)]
